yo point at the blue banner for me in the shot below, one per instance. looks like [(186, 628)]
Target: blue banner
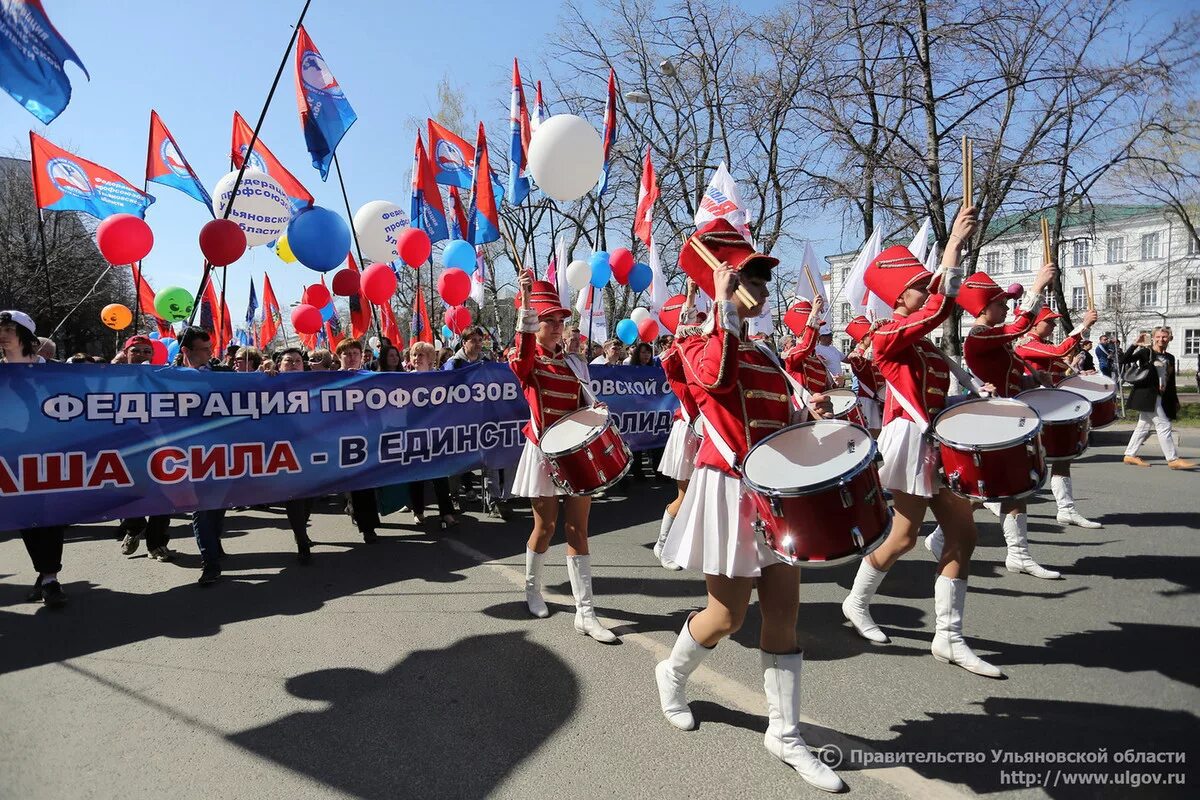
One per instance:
[(108, 442)]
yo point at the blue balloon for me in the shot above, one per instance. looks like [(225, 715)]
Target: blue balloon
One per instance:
[(319, 239), (172, 350), (459, 255), (154, 334), (627, 331), (639, 278), (447, 334), (327, 312), (601, 269)]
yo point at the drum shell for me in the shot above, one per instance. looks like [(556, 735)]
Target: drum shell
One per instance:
[(1005, 471), (594, 465), (852, 412), (1064, 440), (1104, 411)]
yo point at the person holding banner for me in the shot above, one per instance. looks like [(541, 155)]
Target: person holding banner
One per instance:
[(363, 505), (298, 509), (743, 395), (870, 380), (19, 344), (555, 384), (918, 378)]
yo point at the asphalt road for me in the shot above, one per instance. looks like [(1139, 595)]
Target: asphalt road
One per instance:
[(409, 668)]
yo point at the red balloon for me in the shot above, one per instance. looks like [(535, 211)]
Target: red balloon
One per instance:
[(160, 353), (124, 239), (454, 286), (648, 330), (414, 246), (222, 241), (621, 261), (316, 296), (345, 283), (306, 319), (378, 283), (458, 319)]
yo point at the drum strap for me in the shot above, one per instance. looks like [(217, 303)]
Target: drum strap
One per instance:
[(918, 417), (719, 442), (800, 394), (585, 382)]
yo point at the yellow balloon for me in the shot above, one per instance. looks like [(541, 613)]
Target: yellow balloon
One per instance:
[(284, 250), (116, 316)]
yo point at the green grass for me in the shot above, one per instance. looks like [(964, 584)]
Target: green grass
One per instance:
[(1189, 416)]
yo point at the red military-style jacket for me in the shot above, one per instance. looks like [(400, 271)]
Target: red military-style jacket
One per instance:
[(803, 363), (989, 353), (672, 364), (911, 363), (1047, 356), (551, 386), (741, 390), (870, 379)]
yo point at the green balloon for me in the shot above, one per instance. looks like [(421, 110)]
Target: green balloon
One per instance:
[(174, 304)]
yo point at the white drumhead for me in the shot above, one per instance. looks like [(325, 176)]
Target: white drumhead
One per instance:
[(1096, 388), (574, 429), (807, 454), (842, 399), (986, 422), (1057, 405)]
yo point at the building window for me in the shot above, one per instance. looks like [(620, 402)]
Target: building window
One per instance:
[(1191, 342), (1149, 295), (845, 275), (845, 313), (1191, 290), (991, 263), (1021, 260), (1078, 298), (1112, 295), (1193, 246), (1116, 250), (1050, 300), (1150, 247), (1080, 250)]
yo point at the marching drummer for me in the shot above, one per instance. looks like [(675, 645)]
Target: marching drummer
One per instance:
[(555, 384), (804, 319), (918, 378), (870, 380), (1041, 354), (743, 396)]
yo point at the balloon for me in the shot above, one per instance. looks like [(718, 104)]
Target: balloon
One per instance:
[(565, 157), (319, 238), (222, 241), (284, 250), (447, 333), (458, 318), (345, 282), (116, 316), (316, 296), (414, 246), (640, 277), (306, 319), (579, 273), (174, 303), (621, 261), (378, 283), (601, 270), (648, 330), (459, 255), (155, 335), (124, 239), (160, 356), (261, 208), (627, 331), (377, 225), (172, 349), (638, 315), (454, 286)]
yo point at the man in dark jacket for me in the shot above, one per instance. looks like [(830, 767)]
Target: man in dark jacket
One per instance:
[(1154, 397)]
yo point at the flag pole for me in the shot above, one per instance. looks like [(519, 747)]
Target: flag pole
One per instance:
[(262, 115), (337, 167), (46, 268)]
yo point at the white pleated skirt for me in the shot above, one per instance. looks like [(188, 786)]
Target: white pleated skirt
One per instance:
[(871, 412), (910, 460), (533, 475), (679, 456), (713, 532)]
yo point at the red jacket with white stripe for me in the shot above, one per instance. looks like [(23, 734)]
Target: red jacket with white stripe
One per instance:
[(803, 363), (911, 363), (551, 386)]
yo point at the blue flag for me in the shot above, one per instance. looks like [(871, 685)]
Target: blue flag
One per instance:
[(251, 306), (32, 59), (325, 113)]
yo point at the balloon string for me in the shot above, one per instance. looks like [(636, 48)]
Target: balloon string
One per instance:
[(103, 271)]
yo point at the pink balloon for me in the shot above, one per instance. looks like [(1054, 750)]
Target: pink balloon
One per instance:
[(378, 283), (454, 286), (345, 283), (222, 241), (621, 261), (316, 296), (414, 246), (124, 239), (306, 319)]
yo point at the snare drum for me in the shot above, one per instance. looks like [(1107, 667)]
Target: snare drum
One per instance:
[(585, 451), (845, 405), (1101, 390), (990, 448), (1064, 416), (817, 492)]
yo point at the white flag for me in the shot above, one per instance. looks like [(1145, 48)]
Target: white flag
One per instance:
[(810, 284), (592, 322), (861, 299), (722, 201), (478, 278), (920, 242), (559, 262), (931, 260)]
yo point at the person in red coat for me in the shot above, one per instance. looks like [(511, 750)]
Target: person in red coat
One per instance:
[(804, 319), (743, 396), (555, 384), (1049, 360), (918, 379), (870, 379)]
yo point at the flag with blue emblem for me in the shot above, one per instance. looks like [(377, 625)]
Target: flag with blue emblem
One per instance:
[(483, 217), (251, 306), (518, 148), (263, 160), (33, 58), (325, 113), (426, 210), (62, 181), (165, 164), (610, 130)]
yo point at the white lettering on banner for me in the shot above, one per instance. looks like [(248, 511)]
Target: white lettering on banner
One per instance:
[(608, 386), (122, 407), (35, 473)]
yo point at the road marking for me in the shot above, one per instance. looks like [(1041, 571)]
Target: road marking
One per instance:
[(734, 693)]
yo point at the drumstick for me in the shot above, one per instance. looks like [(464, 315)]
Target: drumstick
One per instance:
[(968, 168), (714, 264), (1045, 241)]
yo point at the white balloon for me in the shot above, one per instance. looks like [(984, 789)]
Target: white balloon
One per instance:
[(261, 209), (639, 315), (579, 274), (377, 224), (374, 342), (565, 157)]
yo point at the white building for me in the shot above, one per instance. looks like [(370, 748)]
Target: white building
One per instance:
[(1145, 268)]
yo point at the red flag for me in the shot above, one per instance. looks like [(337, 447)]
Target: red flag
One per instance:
[(360, 308), (483, 216), (62, 181), (458, 227), (271, 313), (333, 336), (450, 156), (146, 303), (262, 159), (391, 331), (165, 163), (643, 224), (419, 327), (610, 130)]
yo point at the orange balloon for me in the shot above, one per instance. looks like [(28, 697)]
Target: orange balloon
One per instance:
[(116, 316)]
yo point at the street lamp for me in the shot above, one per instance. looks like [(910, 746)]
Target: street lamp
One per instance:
[(667, 68), (637, 97)]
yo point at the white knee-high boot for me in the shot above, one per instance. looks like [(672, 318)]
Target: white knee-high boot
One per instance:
[(856, 606), (949, 600), (663, 530), (672, 675), (781, 682), (533, 584), (1064, 498), (935, 542), (579, 568), (1016, 535)]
